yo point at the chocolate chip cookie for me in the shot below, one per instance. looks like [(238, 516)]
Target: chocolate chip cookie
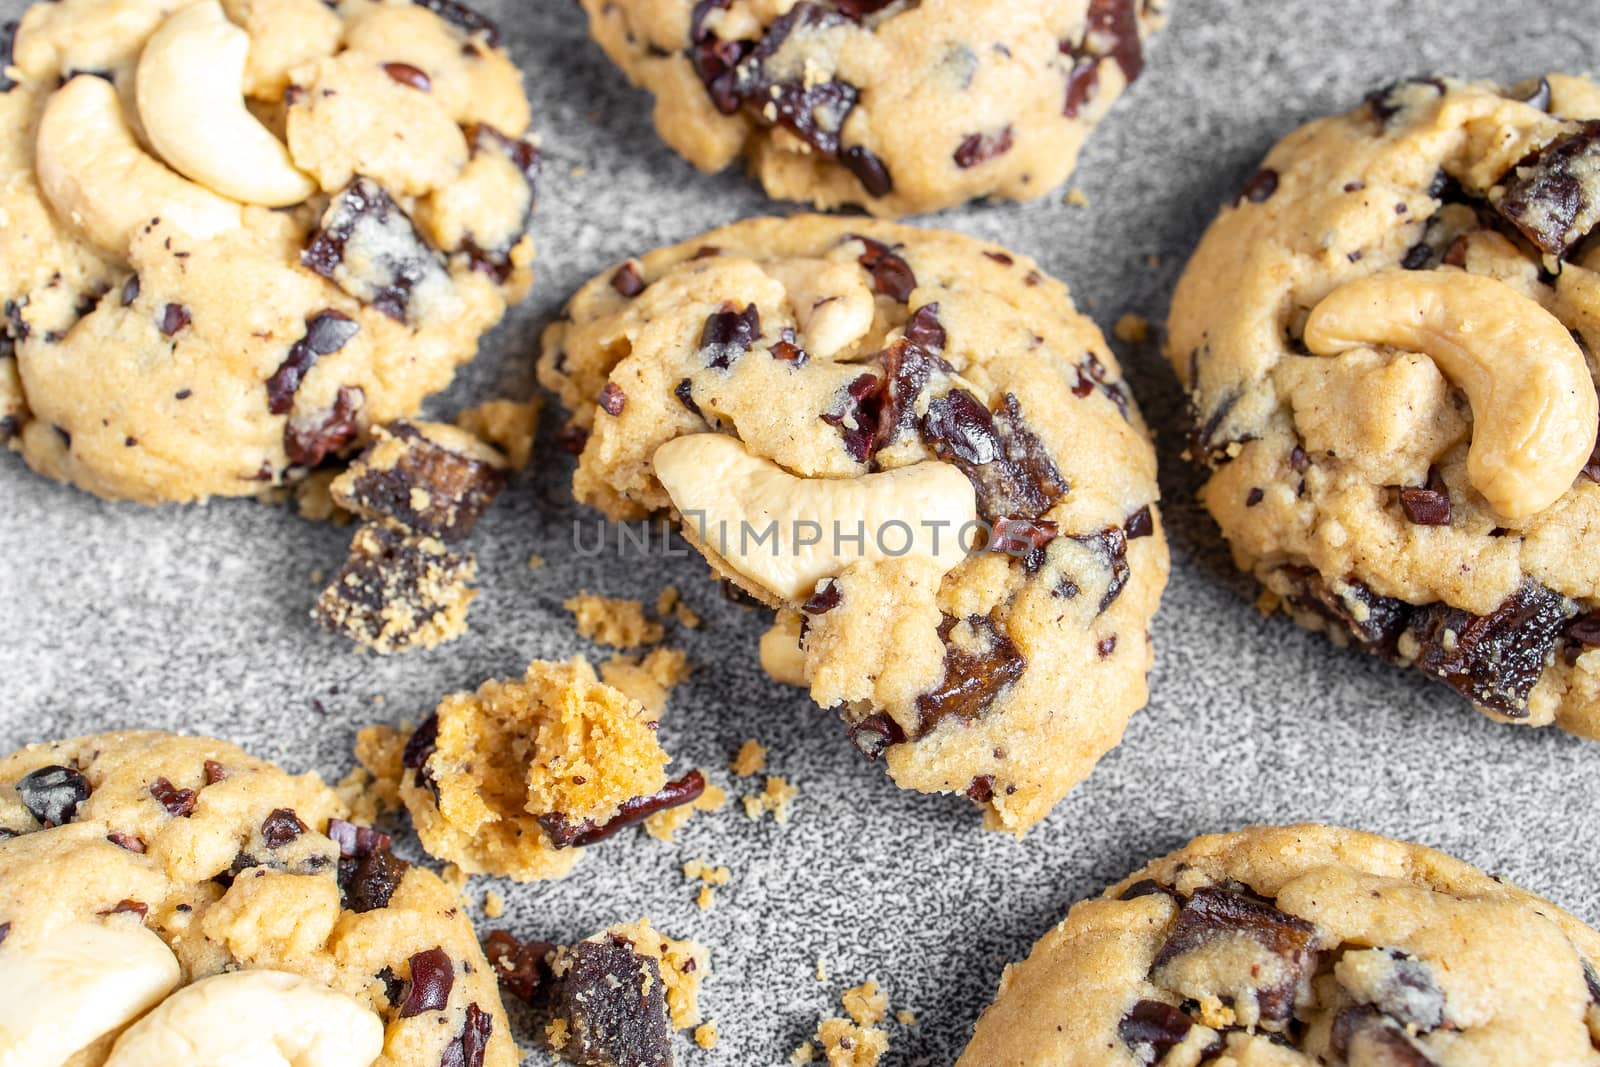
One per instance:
[(911, 446), (1388, 338), (1302, 945), (170, 899), (239, 234), (896, 107)]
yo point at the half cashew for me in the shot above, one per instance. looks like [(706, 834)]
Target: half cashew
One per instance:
[(76, 985), (832, 304), (96, 176), (786, 533), (1533, 401), (262, 1018), (191, 101)]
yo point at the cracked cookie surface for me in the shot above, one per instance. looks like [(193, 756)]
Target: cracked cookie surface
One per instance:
[(1301, 946), (320, 255), (236, 867), (853, 371), (1388, 342), (898, 107)]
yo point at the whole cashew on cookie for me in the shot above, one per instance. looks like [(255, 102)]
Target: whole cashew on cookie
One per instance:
[(787, 533), (262, 1018), (1534, 407), (70, 988), (94, 173), (191, 102)]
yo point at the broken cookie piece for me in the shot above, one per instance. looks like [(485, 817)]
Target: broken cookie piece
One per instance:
[(514, 778), (428, 477), (397, 591)]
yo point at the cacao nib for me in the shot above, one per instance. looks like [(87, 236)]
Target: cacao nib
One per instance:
[(1140, 524), (433, 975), (870, 171), (52, 794), (1428, 505), (627, 281), (1111, 30), (519, 965), (464, 19), (872, 735), (612, 399), (428, 489), (787, 351), (214, 772), (728, 334), (980, 148), (564, 834), (1151, 1028), (468, 1048), (684, 391), (280, 827), (1259, 189), (174, 317), (178, 802), (1008, 466), (1493, 660), (972, 680), (891, 275), (613, 1002), (326, 333), (370, 248), (308, 442), (1553, 196), (981, 789)]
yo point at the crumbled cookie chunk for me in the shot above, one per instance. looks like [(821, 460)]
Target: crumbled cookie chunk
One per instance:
[(844, 1044), (494, 905), (706, 1036), (514, 778), (398, 591), (431, 479), (774, 798), (313, 498), (1131, 328), (1302, 944), (185, 873), (649, 680), (866, 1004), (750, 759), (616, 622), (671, 603), (508, 425)]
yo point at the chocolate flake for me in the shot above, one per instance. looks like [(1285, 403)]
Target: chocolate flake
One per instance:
[(564, 834), (433, 975)]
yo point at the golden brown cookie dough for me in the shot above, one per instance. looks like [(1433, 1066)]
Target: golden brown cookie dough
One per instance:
[(209, 293), (229, 908), (898, 107), (908, 394), (1298, 946), (1388, 341)]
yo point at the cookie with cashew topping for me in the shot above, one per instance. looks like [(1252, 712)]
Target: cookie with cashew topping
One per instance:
[(900, 108), (168, 899), (1302, 945), (1388, 340), (241, 233), (911, 446)]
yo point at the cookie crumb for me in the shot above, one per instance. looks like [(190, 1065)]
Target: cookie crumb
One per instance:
[(494, 905), (866, 1004), (845, 1044), (535, 562), (822, 970), (313, 498), (698, 869), (774, 798), (507, 425), (752, 759), (706, 899), (670, 602), (617, 622), (454, 877), (1077, 198), (664, 824), (806, 1053), (1134, 329), (649, 680), (705, 1035), (906, 1017)]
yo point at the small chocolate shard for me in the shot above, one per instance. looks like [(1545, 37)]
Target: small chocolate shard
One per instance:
[(280, 827), (1151, 1028), (858, 416), (469, 1046), (1259, 188), (973, 680), (627, 281), (178, 802), (870, 171), (1111, 545), (1428, 505), (728, 334), (52, 794), (874, 734), (564, 834), (521, 966), (979, 148), (1111, 31), (891, 275), (433, 975), (1553, 196), (369, 877), (326, 333), (309, 439), (1362, 1034)]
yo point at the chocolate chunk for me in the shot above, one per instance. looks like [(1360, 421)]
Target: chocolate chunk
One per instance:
[(1008, 466), (627, 281), (981, 789), (824, 599), (1428, 505), (787, 351), (1385, 103), (356, 841), (1024, 539), (857, 416), (1111, 545), (973, 680), (469, 1045), (1151, 1028), (409, 76), (310, 439), (1553, 196), (1111, 31), (1408, 993), (326, 333), (369, 880), (813, 109), (613, 1002), (369, 248), (870, 171), (872, 735), (52, 794), (178, 802), (464, 18), (426, 486), (564, 834), (174, 317), (392, 587), (422, 743), (281, 827), (127, 841), (924, 330), (1493, 660), (1259, 189), (1362, 1034), (728, 334), (520, 966), (1140, 524), (1217, 914), (891, 275), (684, 391), (715, 61), (1374, 622), (433, 975), (981, 147), (612, 399), (130, 290)]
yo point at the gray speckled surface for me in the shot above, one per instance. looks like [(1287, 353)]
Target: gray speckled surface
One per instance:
[(194, 618)]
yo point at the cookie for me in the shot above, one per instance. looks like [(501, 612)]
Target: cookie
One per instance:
[(208, 293), (898, 108), (1302, 945), (171, 899), (515, 778), (910, 445), (1387, 341)]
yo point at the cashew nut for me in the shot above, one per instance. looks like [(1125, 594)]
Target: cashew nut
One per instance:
[(76, 985), (1533, 401), (787, 533), (191, 101), (96, 176), (259, 1017), (832, 304)]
